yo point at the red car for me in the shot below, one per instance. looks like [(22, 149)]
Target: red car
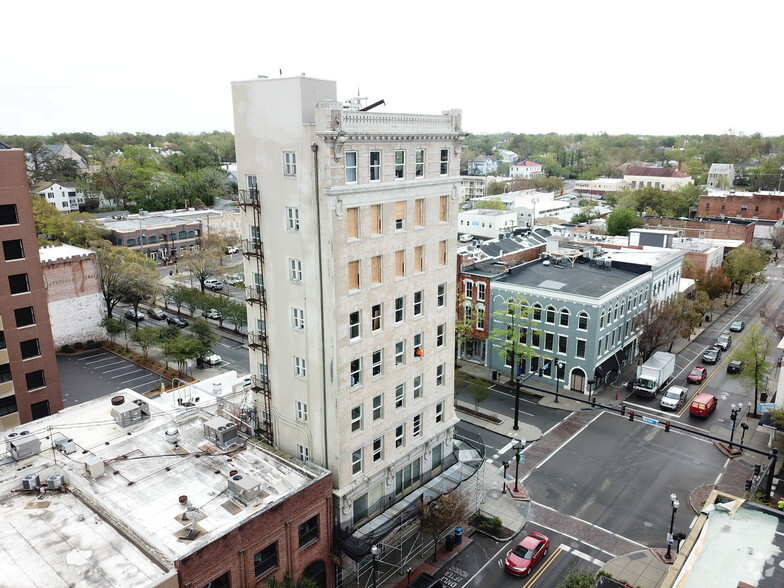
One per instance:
[(697, 375), (527, 554)]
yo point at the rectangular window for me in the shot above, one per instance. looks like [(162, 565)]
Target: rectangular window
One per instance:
[(548, 341), (289, 164), (303, 452), (400, 309), (442, 209), (18, 283), (439, 412), (295, 270), (580, 353), (13, 249), (292, 218), (356, 461), (419, 212), (30, 348), (419, 164), (418, 386), (400, 352), (535, 339), (400, 395), (297, 319), (356, 418), (440, 332), (416, 429), (302, 411), (35, 380), (352, 223), (400, 163), (418, 302), (378, 449), (354, 325), (418, 345), (375, 219), (440, 374), (24, 316), (444, 161), (375, 367), (441, 296), (299, 367), (375, 317), (353, 275), (562, 341), (375, 269), (378, 407), (375, 166), (266, 559), (356, 371), (582, 322), (442, 253), (8, 214), (5, 372), (308, 531), (400, 263), (480, 319), (400, 215), (400, 435), (469, 289), (480, 291), (419, 258), (351, 167)]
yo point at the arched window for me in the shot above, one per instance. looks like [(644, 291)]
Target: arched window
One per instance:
[(564, 317), (582, 321), (550, 315), (183, 235), (131, 242), (601, 320), (153, 239), (190, 234), (510, 307), (172, 237), (537, 311)]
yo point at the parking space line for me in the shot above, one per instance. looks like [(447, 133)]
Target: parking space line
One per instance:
[(124, 366), (127, 373), (132, 379)]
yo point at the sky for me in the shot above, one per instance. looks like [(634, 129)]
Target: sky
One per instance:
[(564, 66)]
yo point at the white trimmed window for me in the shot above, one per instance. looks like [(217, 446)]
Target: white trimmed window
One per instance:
[(303, 452), (378, 449), (289, 163), (375, 317), (480, 291), (444, 162), (439, 412), (440, 374), (356, 418), (580, 353), (400, 352), (469, 289), (351, 167), (440, 333), (378, 407), (297, 319), (400, 164), (299, 367), (295, 270), (375, 166), (418, 298), (480, 319), (356, 461), (416, 429), (375, 367), (292, 218), (400, 395), (400, 309), (400, 435), (356, 371), (441, 296), (302, 411), (419, 163), (418, 386), (354, 325)]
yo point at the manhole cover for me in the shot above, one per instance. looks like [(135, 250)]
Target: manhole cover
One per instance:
[(647, 524)]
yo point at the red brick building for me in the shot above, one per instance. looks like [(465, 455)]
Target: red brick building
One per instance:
[(706, 228), (29, 380), (748, 205)]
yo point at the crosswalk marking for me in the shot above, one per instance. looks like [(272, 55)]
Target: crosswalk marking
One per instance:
[(580, 554)]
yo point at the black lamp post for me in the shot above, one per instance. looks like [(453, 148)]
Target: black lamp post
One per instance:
[(590, 391), (374, 551), (517, 402), (557, 363), (734, 417), (503, 484), (745, 427), (408, 571), (675, 505), (518, 448)]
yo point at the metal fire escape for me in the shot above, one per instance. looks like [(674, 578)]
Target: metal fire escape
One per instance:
[(253, 250)]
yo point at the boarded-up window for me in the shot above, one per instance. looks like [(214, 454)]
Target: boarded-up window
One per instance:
[(375, 219), (353, 275), (442, 253), (400, 214), (375, 269), (400, 263), (442, 209), (352, 223), (419, 212), (419, 258)]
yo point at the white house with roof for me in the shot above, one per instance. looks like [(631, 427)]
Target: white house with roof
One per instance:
[(481, 165), (721, 175), (64, 196), (486, 222), (664, 178), (507, 156), (526, 170)]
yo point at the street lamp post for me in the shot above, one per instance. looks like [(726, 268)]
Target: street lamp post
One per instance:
[(408, 571), (675, 505), (518, 448), (517, 401), (733, 418), (590, 391), (557, 363), (374, 551), (745, 427), (503, 485)]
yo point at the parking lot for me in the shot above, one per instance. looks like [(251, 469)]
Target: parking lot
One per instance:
[(89, 375)]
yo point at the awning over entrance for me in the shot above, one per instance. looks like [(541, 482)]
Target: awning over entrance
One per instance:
[(612, 363)]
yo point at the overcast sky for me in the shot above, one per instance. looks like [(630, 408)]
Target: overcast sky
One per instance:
[(669, 67)]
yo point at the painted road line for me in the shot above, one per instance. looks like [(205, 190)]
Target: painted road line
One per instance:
[(489, 561), (542, 568), (581, 555), (594, 527), (561, 446), (538, 524), (127, 373), (125, 366)]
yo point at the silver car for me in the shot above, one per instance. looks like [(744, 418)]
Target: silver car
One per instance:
[(674, 398)]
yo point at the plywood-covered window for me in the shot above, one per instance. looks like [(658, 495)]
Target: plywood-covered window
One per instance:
[(353, 275), (419, 212), (375, 219), (400, 214), (442, 209), (352, 223), (442, 253), (400, 263), (419, 258), (375, 269)]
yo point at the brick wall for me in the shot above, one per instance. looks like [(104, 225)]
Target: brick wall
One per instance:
[(762, 206), (706, 228)]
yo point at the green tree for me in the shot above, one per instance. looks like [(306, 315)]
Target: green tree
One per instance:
[(492, 203), (511, 336), (235, 312), (202, 263), (443, 513), (145, 338), (182, 348), (204, 332), (289, 581), (141, 282), (577, 578), (713, 282), (621, 220), (744, 264), (177, 294), (116, 266), (755, 352), (478, 390), (113, 327)]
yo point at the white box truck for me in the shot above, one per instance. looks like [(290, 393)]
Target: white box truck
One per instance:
[(654, 375)]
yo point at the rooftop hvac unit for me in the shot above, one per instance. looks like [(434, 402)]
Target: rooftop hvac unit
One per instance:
[(94, 466), (220, 431), (22, 444), (131, 412), (55, 482), (246, 488), (64, 444), (31, 482)]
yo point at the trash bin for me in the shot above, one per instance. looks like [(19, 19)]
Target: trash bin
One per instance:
[(495, 375), (199, 362), (450, 543), (458, 536)]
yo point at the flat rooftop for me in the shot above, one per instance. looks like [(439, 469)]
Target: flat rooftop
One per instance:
[(133, 222), (169, 499)]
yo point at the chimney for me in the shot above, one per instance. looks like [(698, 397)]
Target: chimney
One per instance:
[(680, 163)]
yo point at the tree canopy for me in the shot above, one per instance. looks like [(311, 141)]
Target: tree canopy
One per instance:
[(744, 264)]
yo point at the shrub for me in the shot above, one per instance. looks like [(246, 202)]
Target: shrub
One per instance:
[(66, 349), (78, 345)]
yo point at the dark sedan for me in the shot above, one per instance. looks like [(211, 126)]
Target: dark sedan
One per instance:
[(735, 367), (175, 320)]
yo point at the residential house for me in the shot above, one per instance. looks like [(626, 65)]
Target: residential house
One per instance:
[(526, 170), (482, 165), (664, 178), (600, 186), (64, 196), (721, 176)]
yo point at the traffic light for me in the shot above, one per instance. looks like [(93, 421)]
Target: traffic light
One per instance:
[(748, 485), (631, 415), (623, 410), (666, 426), (757, 469)]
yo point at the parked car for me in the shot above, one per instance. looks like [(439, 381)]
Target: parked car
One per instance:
[(230, 250), (697, 375), (735, 367), (213, 284), (132, 315), (703, 404), (712, 355), (212, 313), (465, 238), (526, 554), (213, 359), (674, 398), (724, 341), (176, 320), (156, 313), (232, 279), (737, 326)]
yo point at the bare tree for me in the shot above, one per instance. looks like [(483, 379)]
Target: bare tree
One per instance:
[(755, 353), (659, 324), (443, 513)]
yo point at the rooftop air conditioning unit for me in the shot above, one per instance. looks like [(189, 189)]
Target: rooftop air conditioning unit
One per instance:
[(220, 431), (31, 482), (245, 487), (22, 444), (64, 444), (55, 482)]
